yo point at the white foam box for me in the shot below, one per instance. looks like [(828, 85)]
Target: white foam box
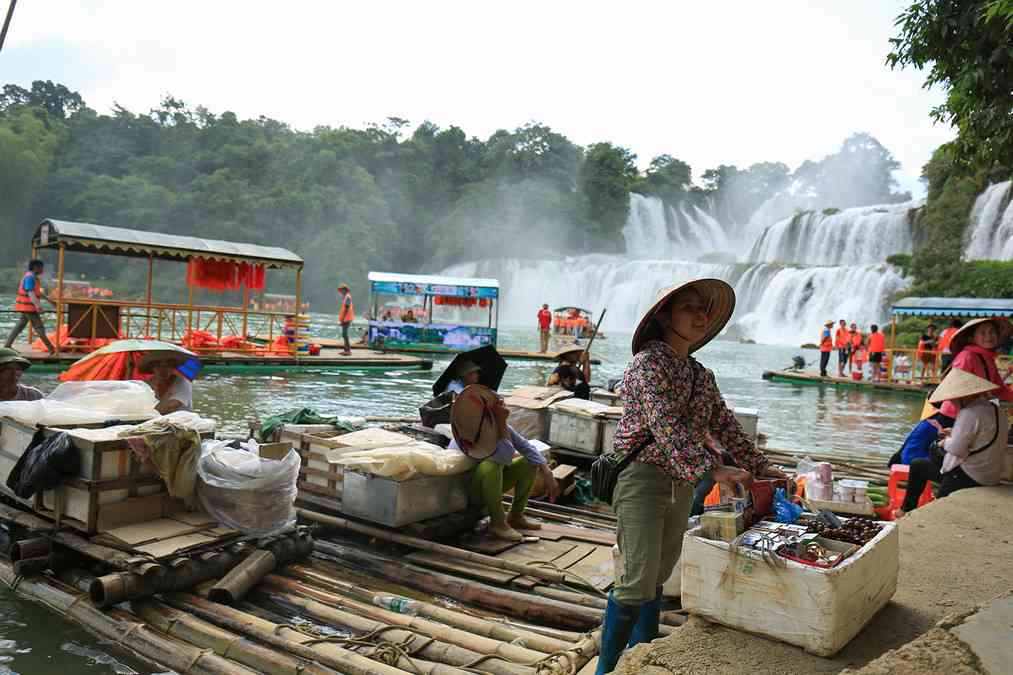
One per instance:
[(820, 610), (749, 419), (529, 409), (579, 425)]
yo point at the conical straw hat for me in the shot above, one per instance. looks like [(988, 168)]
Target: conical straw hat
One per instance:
[(960, 383), (719, 295), (472, 422)]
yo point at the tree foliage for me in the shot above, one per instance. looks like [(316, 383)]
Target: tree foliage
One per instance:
[(967, 48)]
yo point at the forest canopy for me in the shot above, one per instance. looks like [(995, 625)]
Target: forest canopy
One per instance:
[(390, 196)]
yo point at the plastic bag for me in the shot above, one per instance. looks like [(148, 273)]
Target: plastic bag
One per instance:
[(406, 461), (784, 510), (85, 403), (245, 491), (44, 465)]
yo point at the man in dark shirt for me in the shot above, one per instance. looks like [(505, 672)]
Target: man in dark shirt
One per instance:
[(12, 366)]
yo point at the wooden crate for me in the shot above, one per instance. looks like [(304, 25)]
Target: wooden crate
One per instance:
[(820, 610)]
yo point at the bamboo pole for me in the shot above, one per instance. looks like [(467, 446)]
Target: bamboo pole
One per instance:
[(284, 637), (243, 577), (59, 291), (423, 545), (187, 628), (569, 596), (472, 624), (121, 628), (442, 644), (568, 510), (110, 556), (147, 296), (532, 608)]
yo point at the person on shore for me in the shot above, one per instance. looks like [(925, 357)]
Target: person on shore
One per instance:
[(826, 346), (480, 430), (944, 343), (670, 404), (859, 358), (856, 340), (877, 349), (926, 353), (173, 391), (842, 343), (973, 347), (467, 374), (346, 315), (28, 305), (573, 373), (544, 328), (409, 316), (973, 451), (12, 367)]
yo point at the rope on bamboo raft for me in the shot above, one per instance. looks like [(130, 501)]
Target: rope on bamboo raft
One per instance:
[(553, 566), (391, 652)]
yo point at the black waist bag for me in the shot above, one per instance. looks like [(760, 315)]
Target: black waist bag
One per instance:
[(605, 473), (437, 411)]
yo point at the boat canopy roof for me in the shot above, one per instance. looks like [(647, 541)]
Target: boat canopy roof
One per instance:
[(90, 238), (567, 309), (432, 280), (970, 307)]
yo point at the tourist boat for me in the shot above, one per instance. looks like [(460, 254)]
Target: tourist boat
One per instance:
[(216, 330), (574, 321)]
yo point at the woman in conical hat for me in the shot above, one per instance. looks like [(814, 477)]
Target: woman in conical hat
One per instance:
[(974, 450), (478, 421), (973, 348), (671, 407)]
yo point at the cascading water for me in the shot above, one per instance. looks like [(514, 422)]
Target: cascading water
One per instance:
[(777, 302), (991, 225)]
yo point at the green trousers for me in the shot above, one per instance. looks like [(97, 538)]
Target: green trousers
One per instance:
[(652, 511), (490, 480)]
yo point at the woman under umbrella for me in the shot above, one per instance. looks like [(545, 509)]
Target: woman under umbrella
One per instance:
[(671, 405)]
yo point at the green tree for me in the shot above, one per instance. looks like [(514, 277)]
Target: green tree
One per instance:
[(967, 48), (606, 177)]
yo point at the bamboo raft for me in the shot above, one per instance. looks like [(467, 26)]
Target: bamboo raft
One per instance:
[(813, 379), (366, 600)]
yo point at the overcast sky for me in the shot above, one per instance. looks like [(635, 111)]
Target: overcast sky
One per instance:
[(708, 82)]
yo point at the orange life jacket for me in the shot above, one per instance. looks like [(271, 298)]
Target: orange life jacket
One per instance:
[(856, 339), (841, 338), (945, 338), (347, 312), (826, 344), (23, 302), (877, 343)]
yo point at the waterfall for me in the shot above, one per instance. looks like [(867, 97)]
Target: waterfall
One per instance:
[(850, 237), (799, 272), (991, 225)]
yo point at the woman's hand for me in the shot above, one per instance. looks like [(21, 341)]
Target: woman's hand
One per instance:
[(549, 480), (731, 476), (772, 471), (944, 433)]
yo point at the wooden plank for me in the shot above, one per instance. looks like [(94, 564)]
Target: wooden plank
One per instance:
[(170, 546), (578, 553), (152, 530), (541, 550), (469, 569), (487, 545), (597, 568), (194, 518), (603, 537)]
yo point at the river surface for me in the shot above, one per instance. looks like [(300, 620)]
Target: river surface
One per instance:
[(797, 418)]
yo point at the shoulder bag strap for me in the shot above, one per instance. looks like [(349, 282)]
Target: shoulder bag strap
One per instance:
[(994, 436)]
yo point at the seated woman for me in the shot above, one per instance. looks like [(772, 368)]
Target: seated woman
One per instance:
[(408, 317), (974, 450), (173, 391), (571, 377), (467, 373), (974, 351), (480, 430)]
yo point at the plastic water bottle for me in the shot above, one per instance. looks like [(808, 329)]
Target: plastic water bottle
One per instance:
[(396, 603)]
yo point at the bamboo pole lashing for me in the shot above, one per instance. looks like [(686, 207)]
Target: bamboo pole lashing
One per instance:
[(467, 622), (293, 640), (424, 641), (422, 625), (512, 602)]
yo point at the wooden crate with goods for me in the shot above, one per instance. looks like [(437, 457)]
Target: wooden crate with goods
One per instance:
[(576, 424), (529, 409), (815, 583)]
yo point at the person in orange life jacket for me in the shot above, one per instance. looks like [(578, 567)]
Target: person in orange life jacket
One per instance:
[(944, 342), (860, 356), (28, 305), (346, 314), (927, 352), (842, 343), (826, 346), (855, 338), (877, 348), (544, 326)]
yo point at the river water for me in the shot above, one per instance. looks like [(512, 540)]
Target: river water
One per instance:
[(793, 417)]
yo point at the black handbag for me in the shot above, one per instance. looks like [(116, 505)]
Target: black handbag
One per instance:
[(437, 411), (606, 469)]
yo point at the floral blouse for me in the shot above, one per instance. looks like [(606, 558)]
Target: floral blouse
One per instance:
[(670, 404)]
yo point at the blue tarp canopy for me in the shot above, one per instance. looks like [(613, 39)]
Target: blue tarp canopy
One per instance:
[(969, 307)]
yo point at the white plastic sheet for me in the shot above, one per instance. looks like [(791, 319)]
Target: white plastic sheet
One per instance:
[(86, 403), (406, 461), (181, 418), (245, 491)]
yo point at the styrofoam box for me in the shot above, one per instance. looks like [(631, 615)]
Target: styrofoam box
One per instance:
[(576, 432), (608, 433), (820, 610), (749, 419)]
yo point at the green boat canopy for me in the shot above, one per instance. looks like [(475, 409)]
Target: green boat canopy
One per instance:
[(962, 307)]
